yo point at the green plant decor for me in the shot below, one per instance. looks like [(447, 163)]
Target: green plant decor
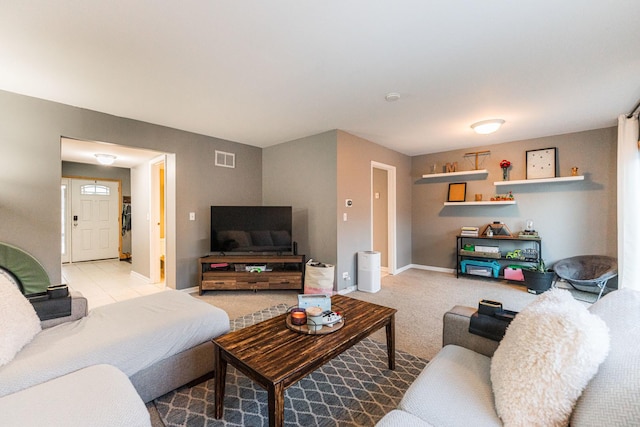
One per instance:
[(538, 278), (539, 267)]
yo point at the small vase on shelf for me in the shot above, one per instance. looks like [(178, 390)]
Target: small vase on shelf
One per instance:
[(505, 166)]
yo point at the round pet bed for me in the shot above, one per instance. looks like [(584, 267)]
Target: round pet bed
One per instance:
[(587, 271)]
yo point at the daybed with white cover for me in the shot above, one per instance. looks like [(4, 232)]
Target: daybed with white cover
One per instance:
[(160, 342)]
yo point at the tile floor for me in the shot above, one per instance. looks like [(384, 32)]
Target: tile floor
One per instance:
[(105, 282)]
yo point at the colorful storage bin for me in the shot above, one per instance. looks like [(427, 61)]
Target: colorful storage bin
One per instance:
[(480, 268)]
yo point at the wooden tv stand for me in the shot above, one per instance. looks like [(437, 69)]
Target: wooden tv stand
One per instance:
[(228, 272)]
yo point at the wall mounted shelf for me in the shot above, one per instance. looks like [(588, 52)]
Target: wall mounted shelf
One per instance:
[(486, 203), (540, 181), (454, 174)]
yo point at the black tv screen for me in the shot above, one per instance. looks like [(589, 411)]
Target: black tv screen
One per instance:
[(251, 229)]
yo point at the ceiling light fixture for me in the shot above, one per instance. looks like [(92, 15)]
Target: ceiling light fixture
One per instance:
[(487, 126), (105, 159), (392, 96)]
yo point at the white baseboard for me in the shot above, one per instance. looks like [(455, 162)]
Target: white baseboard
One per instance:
[(140, 276), (347, 290), (431, 268), (401, 269), (190, 290)]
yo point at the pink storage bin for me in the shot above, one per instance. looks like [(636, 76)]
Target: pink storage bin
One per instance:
[(513, 274)]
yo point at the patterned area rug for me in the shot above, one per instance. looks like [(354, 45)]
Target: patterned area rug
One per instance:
[(354, 389)]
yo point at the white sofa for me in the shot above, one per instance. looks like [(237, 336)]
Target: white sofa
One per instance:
[(97, 396), (455, 388), (159, 342)]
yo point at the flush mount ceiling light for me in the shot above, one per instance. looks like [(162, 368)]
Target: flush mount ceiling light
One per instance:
[(105, 159), (392, 96), (487, 126)]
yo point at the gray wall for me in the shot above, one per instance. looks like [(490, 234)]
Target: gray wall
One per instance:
[(302, 174), (354, 182), (84, 170), (30, 172), (574, 218), (141, 193), (315, 175)]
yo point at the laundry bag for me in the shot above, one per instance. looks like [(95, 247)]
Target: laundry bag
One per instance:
[(318, 278)]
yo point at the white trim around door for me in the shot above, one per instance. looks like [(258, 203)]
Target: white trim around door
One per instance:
[(391, 212)]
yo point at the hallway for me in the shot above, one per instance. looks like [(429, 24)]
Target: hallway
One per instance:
[(107, 281)]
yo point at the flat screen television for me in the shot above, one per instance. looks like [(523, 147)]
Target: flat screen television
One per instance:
[(251, 229)]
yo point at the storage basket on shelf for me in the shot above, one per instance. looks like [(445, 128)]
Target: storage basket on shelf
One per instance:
[(480, 268)]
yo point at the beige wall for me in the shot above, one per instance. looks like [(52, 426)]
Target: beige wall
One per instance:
[(573, 218), (30, 172), (354, 182), (302, 174)]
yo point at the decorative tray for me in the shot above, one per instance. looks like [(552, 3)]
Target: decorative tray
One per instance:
[(304, 329)]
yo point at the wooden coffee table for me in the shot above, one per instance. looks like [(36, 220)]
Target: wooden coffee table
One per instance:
[(276, 357)]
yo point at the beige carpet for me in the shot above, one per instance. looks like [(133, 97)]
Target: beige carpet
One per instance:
[(421, 298), (354, 389)]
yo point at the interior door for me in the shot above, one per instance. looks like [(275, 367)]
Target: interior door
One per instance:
[(157, 244), (95, 220)]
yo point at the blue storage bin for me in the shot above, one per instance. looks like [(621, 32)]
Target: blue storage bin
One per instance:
[(493, 266)]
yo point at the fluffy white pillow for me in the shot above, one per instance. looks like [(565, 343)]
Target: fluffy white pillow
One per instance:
[(19, 322), (548, 355)]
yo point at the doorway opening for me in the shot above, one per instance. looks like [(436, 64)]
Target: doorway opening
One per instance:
[(150, 199), (383, 214)]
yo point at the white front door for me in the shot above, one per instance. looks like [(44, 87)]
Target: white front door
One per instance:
[(94, 219)]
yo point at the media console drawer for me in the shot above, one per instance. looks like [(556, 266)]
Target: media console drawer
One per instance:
[(252, 284), (210, 285), (289, 281)]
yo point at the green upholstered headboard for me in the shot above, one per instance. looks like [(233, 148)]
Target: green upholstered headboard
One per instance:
[(31, 276)]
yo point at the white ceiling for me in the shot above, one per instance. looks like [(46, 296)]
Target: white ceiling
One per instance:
[(265, 72)]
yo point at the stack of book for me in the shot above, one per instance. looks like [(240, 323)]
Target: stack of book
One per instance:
[(528, 235), (469, 231)]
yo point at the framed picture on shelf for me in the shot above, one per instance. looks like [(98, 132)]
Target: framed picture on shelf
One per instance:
[(541, 163), (457, 192)]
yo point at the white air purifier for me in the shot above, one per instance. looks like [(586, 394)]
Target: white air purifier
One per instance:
[(369, 271)]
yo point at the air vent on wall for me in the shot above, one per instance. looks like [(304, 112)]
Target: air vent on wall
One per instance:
[(227, 160)]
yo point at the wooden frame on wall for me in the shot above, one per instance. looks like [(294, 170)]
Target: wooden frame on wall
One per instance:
[(541, 163), (457, 192)]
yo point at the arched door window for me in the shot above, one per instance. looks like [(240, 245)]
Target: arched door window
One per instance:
[(95, 190)]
